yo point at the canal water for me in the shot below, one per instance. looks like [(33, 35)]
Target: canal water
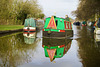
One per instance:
[(82, 50)]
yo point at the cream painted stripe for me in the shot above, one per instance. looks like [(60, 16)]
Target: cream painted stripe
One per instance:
[(29, 27)]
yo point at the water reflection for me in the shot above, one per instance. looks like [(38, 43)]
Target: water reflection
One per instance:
[(13, 50), (29, 38), (89, 51), (55, 48)]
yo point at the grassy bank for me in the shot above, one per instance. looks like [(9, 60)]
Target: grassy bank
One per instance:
[(10, 27)]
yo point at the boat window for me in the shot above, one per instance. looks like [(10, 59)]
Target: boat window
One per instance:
[(56, 22), (56, 53), (60, 54)]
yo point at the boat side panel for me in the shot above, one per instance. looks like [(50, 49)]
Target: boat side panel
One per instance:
[(67, 33)]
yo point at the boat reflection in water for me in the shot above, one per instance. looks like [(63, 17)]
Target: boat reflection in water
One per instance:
[(55, 48), (29, 37)]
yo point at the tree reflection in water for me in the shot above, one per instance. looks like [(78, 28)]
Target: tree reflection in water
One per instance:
[(89, 51), (13, 50)]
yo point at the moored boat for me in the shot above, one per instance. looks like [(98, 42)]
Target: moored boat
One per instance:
[(84, 23), (97, 38), (97, 27), (57, 27), (97, 30), (77, 23), (29, 27)]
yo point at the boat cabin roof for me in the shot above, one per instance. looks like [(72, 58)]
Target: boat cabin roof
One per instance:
[(54, 23), (30, 22)]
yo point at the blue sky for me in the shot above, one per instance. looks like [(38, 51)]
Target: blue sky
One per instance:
[(61, 7)]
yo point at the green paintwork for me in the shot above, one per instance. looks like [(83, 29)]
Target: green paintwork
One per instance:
[(59, 54), (51, 30), (30, 22), (60, 24), (83, 22), (29, 40), (61, 46)]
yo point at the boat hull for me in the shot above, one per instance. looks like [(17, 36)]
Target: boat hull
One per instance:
[(33, 29), (83, 24), (67, 33)]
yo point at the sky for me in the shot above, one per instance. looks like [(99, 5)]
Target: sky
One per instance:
[(60, 7)]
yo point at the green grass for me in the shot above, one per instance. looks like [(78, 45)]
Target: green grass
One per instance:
[(10, 27)]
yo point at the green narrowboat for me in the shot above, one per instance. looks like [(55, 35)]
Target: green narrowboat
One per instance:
[(57, 27), (29, 26), (84, 23), (55, 48)]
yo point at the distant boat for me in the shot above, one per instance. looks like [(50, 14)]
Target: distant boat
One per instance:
[(97, 38), (97, 27), (77, 23), (55, 48), (97, 30), (57, 27), (83, 23)]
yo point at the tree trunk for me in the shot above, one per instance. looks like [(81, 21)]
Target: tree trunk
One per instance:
[(25, 16)]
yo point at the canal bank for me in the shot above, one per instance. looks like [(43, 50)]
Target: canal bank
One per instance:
[(9, 29)]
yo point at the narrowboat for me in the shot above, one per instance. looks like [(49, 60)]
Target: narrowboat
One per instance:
[(57, 27), (77, 23), (55, 48), (29, 27), (97, 38), (97, 31), (83, 23), (97, 27)]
